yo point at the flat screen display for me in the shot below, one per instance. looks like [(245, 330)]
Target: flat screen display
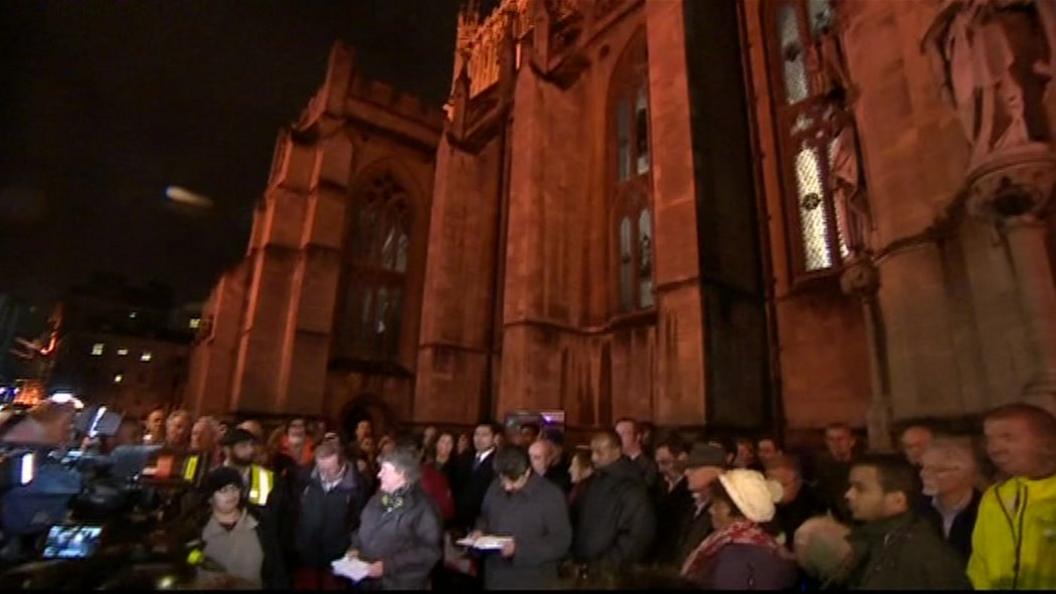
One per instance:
[(72, 542)]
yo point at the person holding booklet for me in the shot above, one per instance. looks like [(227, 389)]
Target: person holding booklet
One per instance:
[(524, 523), (400, 536)]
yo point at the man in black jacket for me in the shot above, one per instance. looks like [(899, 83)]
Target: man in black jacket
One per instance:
[(615, 524), (630, 433), (672, 500), (706, 461), (895, 549), (330, 505), (532, 511), (799, 502), (476, 473)]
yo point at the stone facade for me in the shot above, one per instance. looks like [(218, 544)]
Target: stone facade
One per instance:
[(827, 234), (267, 343)]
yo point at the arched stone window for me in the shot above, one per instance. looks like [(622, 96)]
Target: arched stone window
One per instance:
[(630, 163), (803, 47), (376, 249)]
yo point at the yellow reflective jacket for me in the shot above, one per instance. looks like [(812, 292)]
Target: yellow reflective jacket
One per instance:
[(261, 483), (1014, 541)]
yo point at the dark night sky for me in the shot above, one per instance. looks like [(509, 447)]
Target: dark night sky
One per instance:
[(105, 103)]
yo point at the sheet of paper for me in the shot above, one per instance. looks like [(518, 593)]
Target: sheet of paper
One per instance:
[(486, 543), (353, 569)]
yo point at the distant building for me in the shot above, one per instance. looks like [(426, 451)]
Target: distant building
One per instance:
[(124, 346)]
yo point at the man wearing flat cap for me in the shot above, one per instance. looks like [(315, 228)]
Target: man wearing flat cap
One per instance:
[(704, 464)]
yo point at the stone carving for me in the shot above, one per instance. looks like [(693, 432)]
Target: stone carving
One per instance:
[(854, 217), (826, 65), (993, 58)]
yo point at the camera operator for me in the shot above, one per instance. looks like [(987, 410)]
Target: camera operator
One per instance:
[(48, 424)]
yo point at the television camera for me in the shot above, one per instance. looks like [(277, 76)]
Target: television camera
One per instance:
[(83, 517)]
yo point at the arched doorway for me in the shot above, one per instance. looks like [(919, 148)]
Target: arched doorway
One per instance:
[(366, 407)]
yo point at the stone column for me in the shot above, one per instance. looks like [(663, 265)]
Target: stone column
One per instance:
[(1037, 295), (1013, 190), (861, 278)]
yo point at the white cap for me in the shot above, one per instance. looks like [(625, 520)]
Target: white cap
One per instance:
[(752, 493)]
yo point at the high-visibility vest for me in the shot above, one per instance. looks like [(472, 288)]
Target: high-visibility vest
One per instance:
[(261, 482)]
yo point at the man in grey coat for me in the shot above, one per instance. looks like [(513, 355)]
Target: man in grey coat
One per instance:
[(532, 511)]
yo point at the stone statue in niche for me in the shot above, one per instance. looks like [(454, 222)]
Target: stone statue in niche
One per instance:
[(993, 58), (826, 64), (854, 217), (830, 80)]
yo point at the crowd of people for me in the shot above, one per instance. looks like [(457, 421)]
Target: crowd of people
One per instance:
[(624, 510)]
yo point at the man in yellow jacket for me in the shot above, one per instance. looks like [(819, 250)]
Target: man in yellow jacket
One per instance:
[(1014, 542)]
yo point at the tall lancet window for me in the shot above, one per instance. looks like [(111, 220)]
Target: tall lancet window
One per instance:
[(805, 73), (630, 166), (376, 249)]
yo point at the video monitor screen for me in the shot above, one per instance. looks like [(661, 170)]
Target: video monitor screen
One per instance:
[(72, 542)]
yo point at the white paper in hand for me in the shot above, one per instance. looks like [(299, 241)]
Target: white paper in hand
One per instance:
[(353, 569), (486, 543)]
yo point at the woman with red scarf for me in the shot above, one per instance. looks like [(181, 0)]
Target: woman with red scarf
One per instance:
[(740, 554)]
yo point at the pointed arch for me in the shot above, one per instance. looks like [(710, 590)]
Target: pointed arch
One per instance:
[(382, 210), (629, 177)]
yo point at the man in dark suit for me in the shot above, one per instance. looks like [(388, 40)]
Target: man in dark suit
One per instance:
[(704, 464), (476, 473)]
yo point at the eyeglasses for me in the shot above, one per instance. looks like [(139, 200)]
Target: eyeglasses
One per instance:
[(230, 489)]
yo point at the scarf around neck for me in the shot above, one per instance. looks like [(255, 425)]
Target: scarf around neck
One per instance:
[(395, 500), (739, 532)]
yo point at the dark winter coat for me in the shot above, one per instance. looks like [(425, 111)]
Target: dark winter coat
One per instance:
[(408, 540), (903, 553), (674, 509), (559, 475), (327, 519), (537, 518), (472, 485), (833, 480), (960, 536), (649, 469), (790, 516), (749, 567), (692, 532), (615, 524)]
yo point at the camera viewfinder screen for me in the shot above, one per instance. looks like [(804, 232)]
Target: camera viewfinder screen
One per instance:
[(72, 542)]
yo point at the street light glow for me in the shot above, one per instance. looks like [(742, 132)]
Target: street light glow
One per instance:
[(185, 196)]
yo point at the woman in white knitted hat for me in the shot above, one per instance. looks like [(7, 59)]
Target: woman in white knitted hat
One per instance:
[(740, 554)]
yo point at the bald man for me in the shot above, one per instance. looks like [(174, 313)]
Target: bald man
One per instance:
[(615, 523), (915, 440), (544, 460)]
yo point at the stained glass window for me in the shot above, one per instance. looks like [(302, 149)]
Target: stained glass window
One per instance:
[(645, 259), (376, 251), (641, 131), (808, 120), (626, 265), (623, 139), (631, 202), (791, 40)]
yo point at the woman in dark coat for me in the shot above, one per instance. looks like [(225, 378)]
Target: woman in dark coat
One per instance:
[(399, 534), (740, 554)]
